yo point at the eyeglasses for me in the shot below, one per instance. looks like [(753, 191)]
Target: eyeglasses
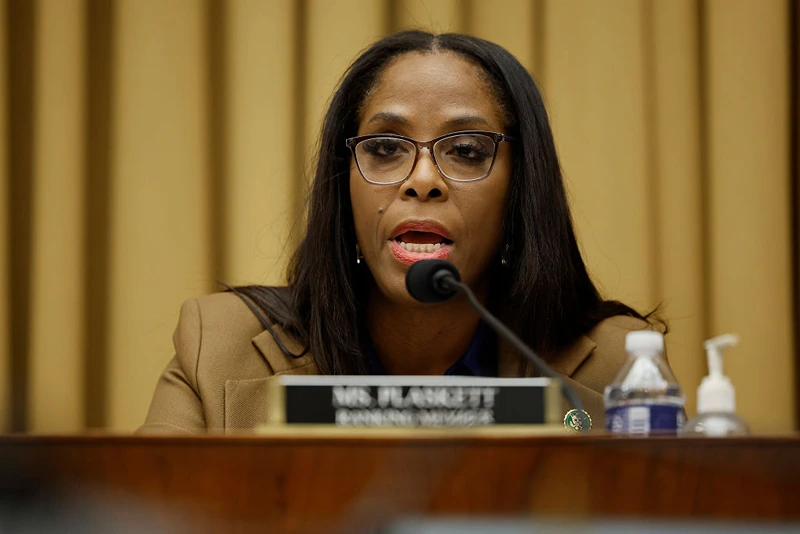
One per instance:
[(387, 159)]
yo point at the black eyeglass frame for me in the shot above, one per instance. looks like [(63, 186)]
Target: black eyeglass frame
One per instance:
[(496, 137)]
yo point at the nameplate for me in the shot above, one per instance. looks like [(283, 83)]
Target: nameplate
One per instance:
[(412, 401)]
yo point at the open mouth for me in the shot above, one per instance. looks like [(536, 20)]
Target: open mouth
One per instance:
[(422, 242)]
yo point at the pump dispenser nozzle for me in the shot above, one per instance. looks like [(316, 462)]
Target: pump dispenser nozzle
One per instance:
[(716, 393), (714, 348)]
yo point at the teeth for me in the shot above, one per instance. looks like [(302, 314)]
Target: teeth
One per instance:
[(422, 248)]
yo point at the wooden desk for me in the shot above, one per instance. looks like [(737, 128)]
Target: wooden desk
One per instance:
[(344, 482)]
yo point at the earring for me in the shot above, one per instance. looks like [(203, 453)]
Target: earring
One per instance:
[(505, 256), (359, 256)]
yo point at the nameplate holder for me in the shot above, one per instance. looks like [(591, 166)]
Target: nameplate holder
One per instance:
[(412, 401)]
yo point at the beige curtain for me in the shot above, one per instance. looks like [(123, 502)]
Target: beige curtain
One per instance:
[(151, 147)]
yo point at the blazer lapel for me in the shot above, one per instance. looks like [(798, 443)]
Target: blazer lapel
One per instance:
[(277, 360), (246, 399), (569, 359)]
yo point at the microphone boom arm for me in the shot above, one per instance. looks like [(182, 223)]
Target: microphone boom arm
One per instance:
[(447, 280)]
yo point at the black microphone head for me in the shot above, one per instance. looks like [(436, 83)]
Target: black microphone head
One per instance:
[(424, 280)]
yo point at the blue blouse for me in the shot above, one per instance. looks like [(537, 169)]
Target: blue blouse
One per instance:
[(479, 360)]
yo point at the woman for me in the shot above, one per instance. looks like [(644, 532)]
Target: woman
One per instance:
[(433, 147)]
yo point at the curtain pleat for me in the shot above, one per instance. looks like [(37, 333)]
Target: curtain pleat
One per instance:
[(259, 131), (515, 28), (159, 181), (749, 202), (440, 16), (595, 86), (676, 144), (21, 45), (56, 392), (151, 148), (5, 252)]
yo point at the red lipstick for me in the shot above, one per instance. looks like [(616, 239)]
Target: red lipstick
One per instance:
[(420, 240)]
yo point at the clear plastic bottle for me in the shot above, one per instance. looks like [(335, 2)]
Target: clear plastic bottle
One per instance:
[(716, 397), (644, 398), (716, 425)]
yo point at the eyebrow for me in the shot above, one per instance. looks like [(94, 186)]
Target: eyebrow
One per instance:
[(399, 119), (467, 119), (388, 116)]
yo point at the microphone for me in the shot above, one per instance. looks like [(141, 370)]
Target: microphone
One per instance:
[(429, 280), (438, 280)]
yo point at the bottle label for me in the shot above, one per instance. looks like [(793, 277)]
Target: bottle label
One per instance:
[(645, 419)]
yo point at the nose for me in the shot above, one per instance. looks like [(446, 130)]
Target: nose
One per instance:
[(425, 181)]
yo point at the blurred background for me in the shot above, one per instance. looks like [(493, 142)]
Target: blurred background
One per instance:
[(149, 148)]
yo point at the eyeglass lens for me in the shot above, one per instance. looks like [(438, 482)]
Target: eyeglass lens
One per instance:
[(461, 157)]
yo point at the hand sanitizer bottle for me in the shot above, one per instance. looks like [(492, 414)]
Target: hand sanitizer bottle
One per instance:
[(716, 399), (644, 398)]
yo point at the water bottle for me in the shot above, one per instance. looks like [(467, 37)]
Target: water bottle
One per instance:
[(644, 398)]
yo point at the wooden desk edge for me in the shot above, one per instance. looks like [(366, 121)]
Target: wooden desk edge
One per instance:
[(317, 435)]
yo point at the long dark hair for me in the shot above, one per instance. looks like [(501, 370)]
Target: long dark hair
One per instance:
[(545, 283)]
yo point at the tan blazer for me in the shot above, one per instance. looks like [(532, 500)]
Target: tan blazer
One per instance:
[(224, 358)]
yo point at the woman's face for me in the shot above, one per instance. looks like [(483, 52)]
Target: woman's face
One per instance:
[(424, 96)]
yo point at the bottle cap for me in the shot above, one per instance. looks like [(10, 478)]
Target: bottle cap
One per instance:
[(644, 343)]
